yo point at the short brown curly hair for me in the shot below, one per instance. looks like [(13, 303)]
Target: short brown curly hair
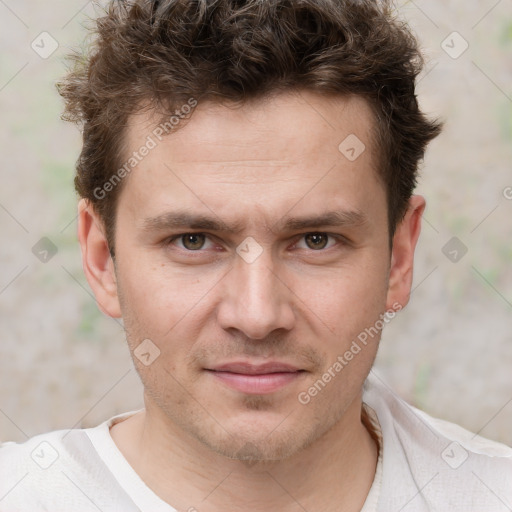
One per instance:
[(162, 53)]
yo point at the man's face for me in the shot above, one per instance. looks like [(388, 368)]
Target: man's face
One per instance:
[(248, 319)]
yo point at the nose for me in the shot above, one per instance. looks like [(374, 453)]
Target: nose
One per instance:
[(256, 300)]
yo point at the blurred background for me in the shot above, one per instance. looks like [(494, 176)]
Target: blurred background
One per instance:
[(63, 364)]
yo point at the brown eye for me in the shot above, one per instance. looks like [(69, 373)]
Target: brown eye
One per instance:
[(316, 240), (193, 241)]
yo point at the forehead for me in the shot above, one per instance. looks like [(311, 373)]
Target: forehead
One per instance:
[(287, 145), (279, 122)]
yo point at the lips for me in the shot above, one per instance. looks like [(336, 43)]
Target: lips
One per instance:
[(255, 369), (253, 378)]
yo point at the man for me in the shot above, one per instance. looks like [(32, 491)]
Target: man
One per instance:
[(247, 208)]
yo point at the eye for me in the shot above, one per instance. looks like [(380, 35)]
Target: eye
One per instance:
[(190, 241), (195, 242), (317, 241)]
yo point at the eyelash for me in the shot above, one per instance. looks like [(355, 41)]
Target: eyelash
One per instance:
[(341, 239)]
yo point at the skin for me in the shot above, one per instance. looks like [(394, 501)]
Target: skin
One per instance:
[(200, 443)]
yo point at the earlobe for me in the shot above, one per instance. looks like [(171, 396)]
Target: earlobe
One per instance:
[(96, 260), (402, 254)]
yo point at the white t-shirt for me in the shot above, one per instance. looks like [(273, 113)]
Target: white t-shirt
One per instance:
[(424, 464)]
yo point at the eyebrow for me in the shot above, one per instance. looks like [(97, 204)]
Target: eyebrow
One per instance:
[(184, 219)]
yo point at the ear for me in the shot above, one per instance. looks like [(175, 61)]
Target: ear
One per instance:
[(402, 254), (96, 260)]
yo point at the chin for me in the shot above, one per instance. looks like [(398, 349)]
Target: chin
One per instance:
[(273, 448), (261, 436)]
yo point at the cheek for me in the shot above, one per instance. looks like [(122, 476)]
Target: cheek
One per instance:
[(345, 300), (159, 298), (171, 305), (351, 306), (166, 307)]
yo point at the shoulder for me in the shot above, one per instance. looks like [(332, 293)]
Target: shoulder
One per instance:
[(435, 463), (466, 439), (27, 466), (38, 451), (55, 471)]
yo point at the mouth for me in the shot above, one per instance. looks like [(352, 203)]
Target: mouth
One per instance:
[(256, 379)]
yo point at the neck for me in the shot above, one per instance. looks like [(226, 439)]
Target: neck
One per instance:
[(334, 473)]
